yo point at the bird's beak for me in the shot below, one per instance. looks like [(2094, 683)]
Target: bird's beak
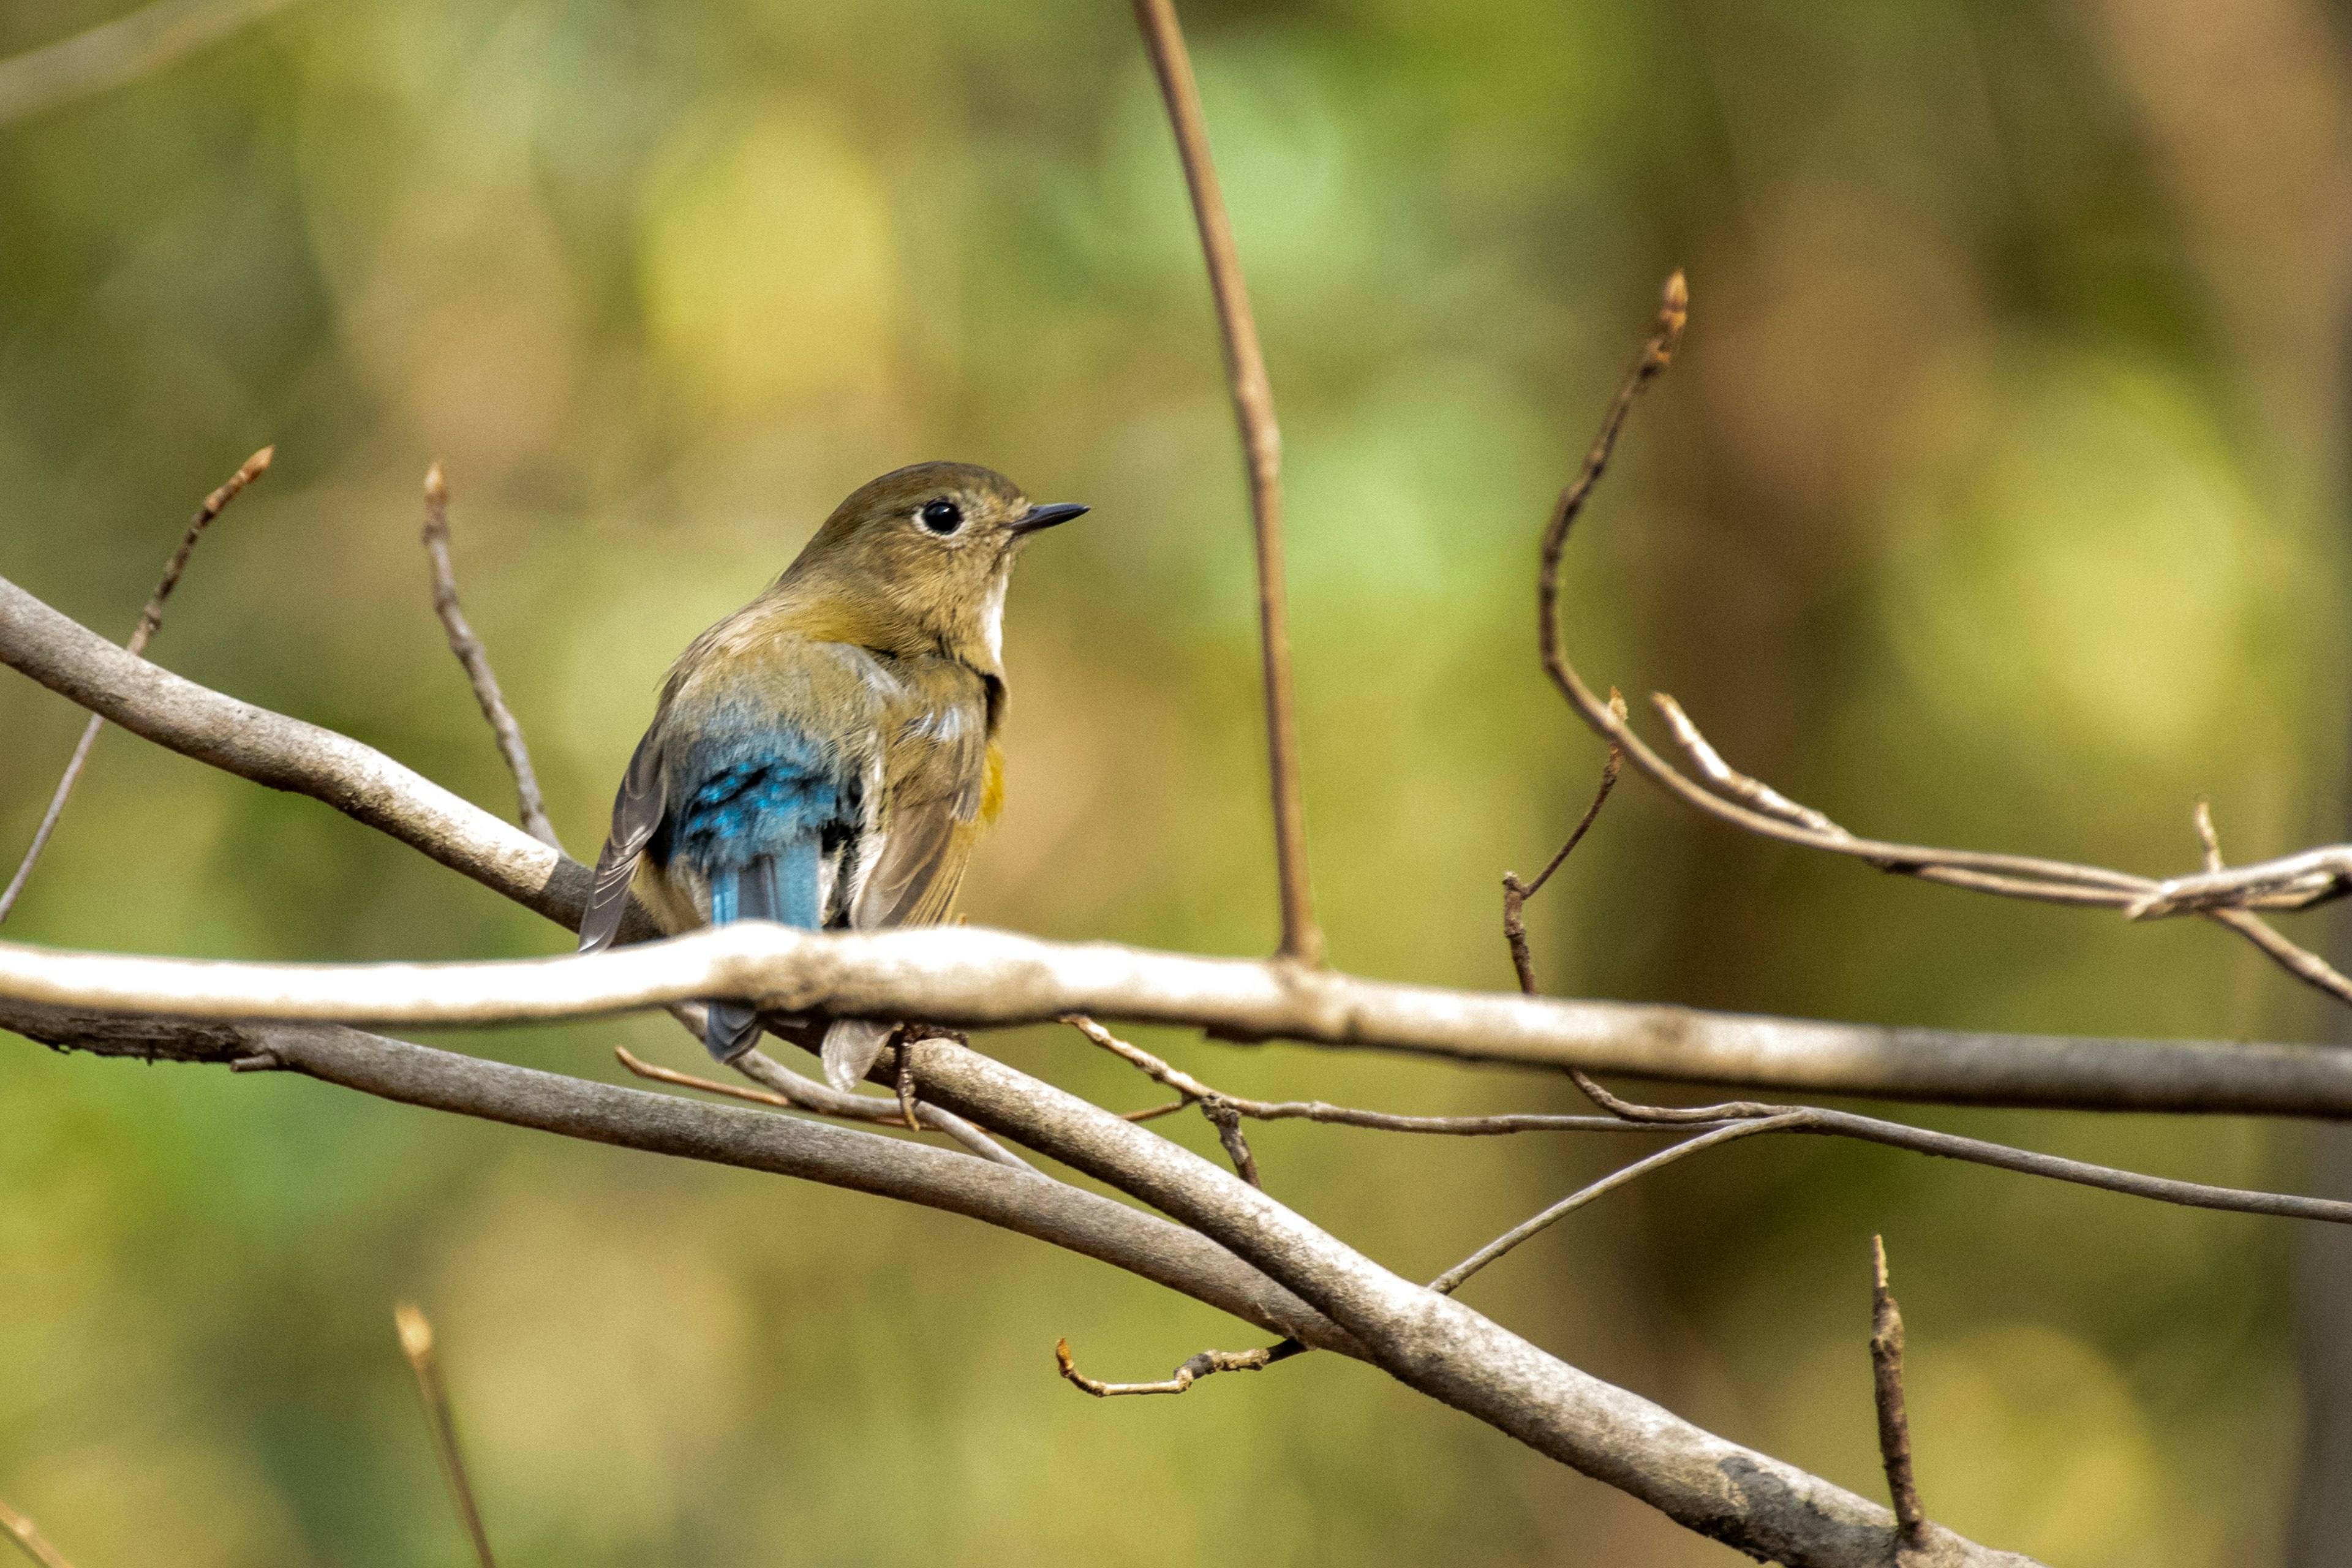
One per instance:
[(1039, 517)]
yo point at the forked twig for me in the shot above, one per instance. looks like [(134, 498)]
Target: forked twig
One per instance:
[(35, 1545), (1894, 1423), (1253, 396), (416, 1343), (151, 619), (1516, 893), (477, 660), (2230, 897)]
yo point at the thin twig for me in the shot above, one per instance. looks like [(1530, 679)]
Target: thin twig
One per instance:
[(2227, 897), (1728, 1121), (807, 1094), (119, 51), (477, 660), (1195, 1092), (1516, 893), (1894, 1423), (1205, 1364), (2211, 841), (151, 620), (1253, 395), (823, 1099), (35, 1545), (1451, 1280), (416, 1343)]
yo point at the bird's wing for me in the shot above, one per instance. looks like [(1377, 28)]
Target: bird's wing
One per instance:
[(637, 815), (943, 766)]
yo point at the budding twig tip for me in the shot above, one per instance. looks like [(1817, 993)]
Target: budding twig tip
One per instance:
[(416, 1330), (437, 487)]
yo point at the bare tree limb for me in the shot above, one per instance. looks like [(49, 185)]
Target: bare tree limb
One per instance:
[(151, 621), (970, 977), (1252, 394), (121, 51), (416, 1345), (477, 660), (975, 979), (1246, 1246), (1894, 1423), (33, 1544), (1433, 1343), (1017, 1200)]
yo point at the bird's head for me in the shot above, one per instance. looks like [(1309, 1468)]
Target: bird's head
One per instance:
[(920, 558)]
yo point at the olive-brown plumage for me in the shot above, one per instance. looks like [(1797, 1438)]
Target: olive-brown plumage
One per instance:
[(826, 755)]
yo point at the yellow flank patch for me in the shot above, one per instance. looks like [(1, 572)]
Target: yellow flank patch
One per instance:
[(992, 790)]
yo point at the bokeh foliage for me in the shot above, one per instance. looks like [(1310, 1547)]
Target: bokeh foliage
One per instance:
[(1993, 502)]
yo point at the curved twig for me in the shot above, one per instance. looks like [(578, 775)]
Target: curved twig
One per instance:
[(1755, 807)]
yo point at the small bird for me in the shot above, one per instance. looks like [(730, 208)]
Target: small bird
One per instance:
[(826, 756)]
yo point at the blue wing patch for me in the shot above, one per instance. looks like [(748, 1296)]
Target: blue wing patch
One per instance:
[(757, 819)]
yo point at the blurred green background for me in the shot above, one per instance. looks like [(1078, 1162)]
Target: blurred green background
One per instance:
[(1993, 502)]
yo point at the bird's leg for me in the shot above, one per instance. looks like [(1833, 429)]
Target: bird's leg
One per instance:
[(901, 1040), (907, 1035)]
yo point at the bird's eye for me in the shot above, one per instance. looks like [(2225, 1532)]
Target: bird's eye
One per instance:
[(941, 517)]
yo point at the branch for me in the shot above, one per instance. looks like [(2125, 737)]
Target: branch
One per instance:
[(1434, 1343), (2226, 897), (1252, 394), (151, 621), (416, 1345), (1246, 1248), (976, 979), (477, 660), (1894, 1423), (970, 977), (35, 1545), (287, 754), (1020, 1201), (119, 51), (1205, 1364)]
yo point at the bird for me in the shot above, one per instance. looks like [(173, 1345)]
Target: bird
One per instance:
[(827, 755)]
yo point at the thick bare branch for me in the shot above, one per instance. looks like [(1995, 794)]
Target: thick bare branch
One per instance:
[(287, 754), (477, 661), (983, 982), (121, 51), (151, 621), (1015, 1200), (970, 977), (1253, 395), (1436, 1344), (1246, 1246)]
